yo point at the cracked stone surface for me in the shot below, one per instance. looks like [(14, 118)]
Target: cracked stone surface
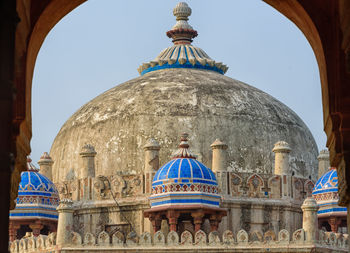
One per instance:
[(163, 104)]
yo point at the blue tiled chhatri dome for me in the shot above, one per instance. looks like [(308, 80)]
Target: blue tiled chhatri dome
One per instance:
[(184, 181), (37, 196), (182, 54), (325, 193)]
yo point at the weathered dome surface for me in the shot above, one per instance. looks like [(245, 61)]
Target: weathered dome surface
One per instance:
[(164, 103)]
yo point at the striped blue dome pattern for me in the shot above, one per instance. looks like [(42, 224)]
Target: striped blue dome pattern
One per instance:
[(325, 193), (35, 183), (37, 197), (184, 170), (327, 183)]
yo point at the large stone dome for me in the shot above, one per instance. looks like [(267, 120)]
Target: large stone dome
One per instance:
[(164, 103), (183, 90)]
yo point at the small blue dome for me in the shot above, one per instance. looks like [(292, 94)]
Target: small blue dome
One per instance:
[(327, 183), (325, 193), (184, 182), (184, 170), (37, 197)]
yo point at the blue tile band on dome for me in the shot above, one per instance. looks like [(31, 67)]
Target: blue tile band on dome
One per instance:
[(325, 190), (332, 210), (184, 195), (34, 215), (186, 201)]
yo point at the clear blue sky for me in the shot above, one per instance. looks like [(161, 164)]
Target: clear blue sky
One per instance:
[(101, 44)]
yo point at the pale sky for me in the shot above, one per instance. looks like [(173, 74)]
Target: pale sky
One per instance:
[(101, 44)]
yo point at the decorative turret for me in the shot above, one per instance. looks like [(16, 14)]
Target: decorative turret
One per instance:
[(65, 221), (219, 164), (45, 164), (88, 154), (309, 208), (323, 162), (151, 163), (282, 150), (182, 54)]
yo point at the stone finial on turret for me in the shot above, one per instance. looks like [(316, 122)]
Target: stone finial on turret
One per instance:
[(184, 148), (281, 150), (219, 164), (45, 164), (323, 162), (65, 222), (88, 154), (310, 221)]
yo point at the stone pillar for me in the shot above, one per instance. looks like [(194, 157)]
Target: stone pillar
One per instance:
[(65, 221), (219, 164), (156, 222), (323, 162), (197, 220), (151, 163), (13, 230), (282, 150), (88, 154), (214, 222), (172, 219), (45, 164), (36, 227), (310, 222), (334, 222)]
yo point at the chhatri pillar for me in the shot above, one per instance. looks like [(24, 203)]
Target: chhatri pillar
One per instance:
[(185, 192), (36, 227), (13, 227)]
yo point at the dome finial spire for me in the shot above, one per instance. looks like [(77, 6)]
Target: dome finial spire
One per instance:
[(183, 150), (182, 32)]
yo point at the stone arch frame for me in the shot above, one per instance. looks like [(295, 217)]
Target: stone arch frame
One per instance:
[(235, 190), (329, 48), (275, 190), (258, 193), (51, 13), (308, 186), (297, 192)]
